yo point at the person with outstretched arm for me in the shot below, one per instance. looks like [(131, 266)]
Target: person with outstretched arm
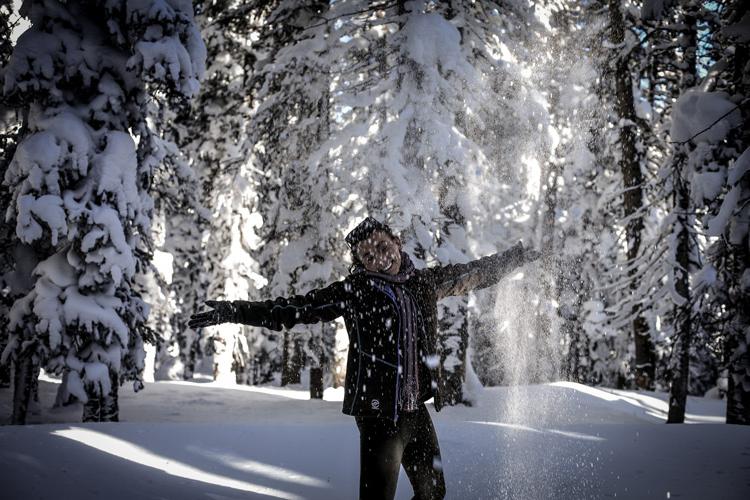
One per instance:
[(393, 365)]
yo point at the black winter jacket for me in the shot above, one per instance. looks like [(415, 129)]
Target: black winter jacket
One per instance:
[(373, 377)]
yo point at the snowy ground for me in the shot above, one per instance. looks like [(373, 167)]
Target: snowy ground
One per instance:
[(207, 441)]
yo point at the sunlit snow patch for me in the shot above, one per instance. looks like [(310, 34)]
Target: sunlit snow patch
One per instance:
[(569, 434), (262, 469), (650, 404), (135, 453)]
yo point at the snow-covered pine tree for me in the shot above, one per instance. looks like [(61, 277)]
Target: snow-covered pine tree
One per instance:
[(570, 221), (658, 47), (175, 238), (692, 176), (428, 85), (412, 149), (154, 284), (80, 182), (683, 251), (314, 235), (208, 132), (630, 158), (728, 274), (590, 285), (412, 116), (10, 124), (510, 47), (618, 318), (302, 240)]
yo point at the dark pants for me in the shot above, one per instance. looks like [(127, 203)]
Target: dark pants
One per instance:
[(385, 446)]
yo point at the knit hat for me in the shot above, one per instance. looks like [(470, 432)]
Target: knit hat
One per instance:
[(365, 229)]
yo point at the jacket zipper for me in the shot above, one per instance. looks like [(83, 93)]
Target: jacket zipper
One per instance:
[(359, 363), (398, 353)]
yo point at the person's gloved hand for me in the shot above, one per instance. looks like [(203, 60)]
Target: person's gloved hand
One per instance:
[(531, 255), (223, 312), (524, 255), (515, 252)]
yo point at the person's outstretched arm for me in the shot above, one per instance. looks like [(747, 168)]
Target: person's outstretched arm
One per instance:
[(460, 279), (323, 304)]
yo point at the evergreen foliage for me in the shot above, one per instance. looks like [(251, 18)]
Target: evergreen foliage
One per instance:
[(80, 180), (610, 135)]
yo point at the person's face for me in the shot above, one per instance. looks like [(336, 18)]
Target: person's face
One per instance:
[(380, 253)]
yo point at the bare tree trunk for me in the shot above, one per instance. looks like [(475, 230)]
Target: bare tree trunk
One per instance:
[(683, 207), (645, 357), (25, 389), (737, 345), (4, 375), (23, 369), (4, 368), (324, 348), (316, 383), (738, 350), (683, 316)]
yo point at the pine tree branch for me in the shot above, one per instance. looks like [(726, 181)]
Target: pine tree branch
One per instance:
[(738, 106), (372, 8)]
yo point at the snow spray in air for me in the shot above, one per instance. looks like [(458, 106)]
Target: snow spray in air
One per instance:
[(525, 337)]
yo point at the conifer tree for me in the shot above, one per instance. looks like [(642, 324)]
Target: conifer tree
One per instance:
[(208, 132), (728, 271), (630, 162), (80, 183), (10, 124)]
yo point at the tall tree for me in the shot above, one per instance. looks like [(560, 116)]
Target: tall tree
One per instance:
[(210, 244), (80, 182), (632, 178), (729, 211), (684, 236), (10, 129)]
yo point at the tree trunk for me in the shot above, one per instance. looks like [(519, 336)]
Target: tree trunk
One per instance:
[(316, 383), (194, 351), (103, 407), (633, 198), (317, 362), (455, 328), (738, 344), (571, 291), (4, 375), (738, 388), (291, 357), (324, 349), (22, 389), (682, 312), (683, 205), (738, 351), (4, 368)]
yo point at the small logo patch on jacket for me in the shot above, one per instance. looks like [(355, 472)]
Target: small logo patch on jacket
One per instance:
[(375, 404)]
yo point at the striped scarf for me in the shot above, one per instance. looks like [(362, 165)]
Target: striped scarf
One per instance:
[(409, 327)]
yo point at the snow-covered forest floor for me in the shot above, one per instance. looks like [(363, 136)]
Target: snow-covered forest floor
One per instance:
[(206, 440)]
